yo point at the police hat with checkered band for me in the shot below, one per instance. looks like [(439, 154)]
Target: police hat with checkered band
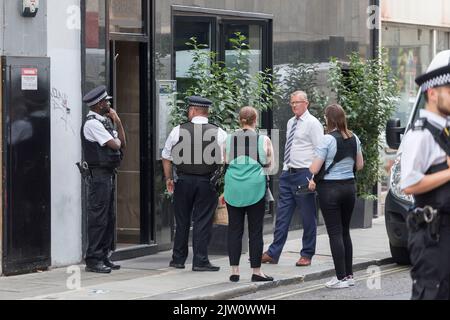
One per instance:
[(195, 101), (96, 96), (438, 73)]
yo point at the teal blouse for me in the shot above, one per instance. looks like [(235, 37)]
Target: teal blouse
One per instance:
[(245, 179)]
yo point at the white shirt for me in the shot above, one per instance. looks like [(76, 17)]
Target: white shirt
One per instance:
[(94, 131), (308, 135), (174, 137), (420, 151)]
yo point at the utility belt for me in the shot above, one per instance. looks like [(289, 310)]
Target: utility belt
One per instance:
[(427, 218), (102, 171), (88, 172)]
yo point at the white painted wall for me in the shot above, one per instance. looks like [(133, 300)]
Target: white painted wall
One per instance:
[(430, 12), (64, 49)]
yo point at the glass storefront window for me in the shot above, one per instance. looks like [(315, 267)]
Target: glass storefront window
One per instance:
[(95, 40), (126, 16), (253, 33), (410, 52), (185, 29), (443, 41)]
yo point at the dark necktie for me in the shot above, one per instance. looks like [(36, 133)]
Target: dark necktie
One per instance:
[(287, 152)]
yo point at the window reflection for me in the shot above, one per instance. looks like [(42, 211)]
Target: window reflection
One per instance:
[(410, 52), (253, 33), (184, 31), (126, 16), (95, 26)]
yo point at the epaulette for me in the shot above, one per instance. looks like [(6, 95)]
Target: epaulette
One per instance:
[(420, 124)]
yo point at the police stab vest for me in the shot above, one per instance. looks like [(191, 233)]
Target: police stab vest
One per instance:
[(438, 198), (97, 156), (197, 151)]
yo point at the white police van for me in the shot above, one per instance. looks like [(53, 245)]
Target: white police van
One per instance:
[(398, 203)]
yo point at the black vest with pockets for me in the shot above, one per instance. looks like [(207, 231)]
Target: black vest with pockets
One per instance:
[(197, 146), (97, 156), (438, 198), (345, 148)]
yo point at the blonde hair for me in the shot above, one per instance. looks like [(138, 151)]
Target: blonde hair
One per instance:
[(247, 116)]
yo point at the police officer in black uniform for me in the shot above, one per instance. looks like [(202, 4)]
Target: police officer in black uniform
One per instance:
[(425, 170), (195, 150), (103, 139)]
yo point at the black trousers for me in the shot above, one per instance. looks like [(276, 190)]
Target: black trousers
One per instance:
[(101, 216), (195, 200), (236, 220), (430, 259), (337, 200)]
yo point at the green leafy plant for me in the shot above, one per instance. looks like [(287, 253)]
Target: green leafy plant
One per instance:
[(368, 93), (301, 76), (228, 87)]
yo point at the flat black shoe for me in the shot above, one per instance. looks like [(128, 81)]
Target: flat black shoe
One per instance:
[(98, 268), (207, 267), (176, 265), (234, 278), (258, 278), (111, 265)]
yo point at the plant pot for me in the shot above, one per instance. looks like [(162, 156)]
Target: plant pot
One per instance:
[(362, 214), (218, 245)]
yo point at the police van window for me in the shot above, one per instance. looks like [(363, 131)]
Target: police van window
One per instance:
[(420, 106)]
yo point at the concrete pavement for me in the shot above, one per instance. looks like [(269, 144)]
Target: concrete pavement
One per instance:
[(150, 278)]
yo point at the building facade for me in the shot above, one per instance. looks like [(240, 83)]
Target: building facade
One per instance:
[(137, 48), (413, 32)]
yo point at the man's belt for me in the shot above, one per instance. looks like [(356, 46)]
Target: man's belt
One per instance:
[(295, 170)]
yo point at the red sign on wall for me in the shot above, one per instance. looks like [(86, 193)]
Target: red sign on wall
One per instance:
[(29, 78)]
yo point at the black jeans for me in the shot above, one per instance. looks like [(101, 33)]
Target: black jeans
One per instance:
[(236, 219), (337, 200)]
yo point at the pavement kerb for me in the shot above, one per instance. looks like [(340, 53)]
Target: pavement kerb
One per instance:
[(253, 287)]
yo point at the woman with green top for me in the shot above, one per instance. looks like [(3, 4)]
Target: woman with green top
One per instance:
[(247, 155)]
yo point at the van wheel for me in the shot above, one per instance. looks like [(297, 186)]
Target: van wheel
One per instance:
[(400, 255)]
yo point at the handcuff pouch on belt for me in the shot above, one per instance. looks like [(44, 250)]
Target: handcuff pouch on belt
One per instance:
[(426, 217), (84, 169)]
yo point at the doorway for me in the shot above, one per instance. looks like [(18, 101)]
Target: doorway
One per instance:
[(127, 62)]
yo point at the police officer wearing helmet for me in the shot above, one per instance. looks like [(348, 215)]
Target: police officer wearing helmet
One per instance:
[(103, 139), (425, 174), (195, 150)]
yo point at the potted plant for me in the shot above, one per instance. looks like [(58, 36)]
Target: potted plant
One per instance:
[(368, 92), (229, 87)]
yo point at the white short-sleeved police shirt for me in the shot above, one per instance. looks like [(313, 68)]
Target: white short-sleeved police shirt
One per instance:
[(94, 131), (420, 151), (174, 137)]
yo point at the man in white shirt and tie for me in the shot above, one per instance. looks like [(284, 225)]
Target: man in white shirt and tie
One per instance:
[(304, 132)]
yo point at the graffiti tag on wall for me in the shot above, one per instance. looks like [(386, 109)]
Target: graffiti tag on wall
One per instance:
[(60, 103)]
